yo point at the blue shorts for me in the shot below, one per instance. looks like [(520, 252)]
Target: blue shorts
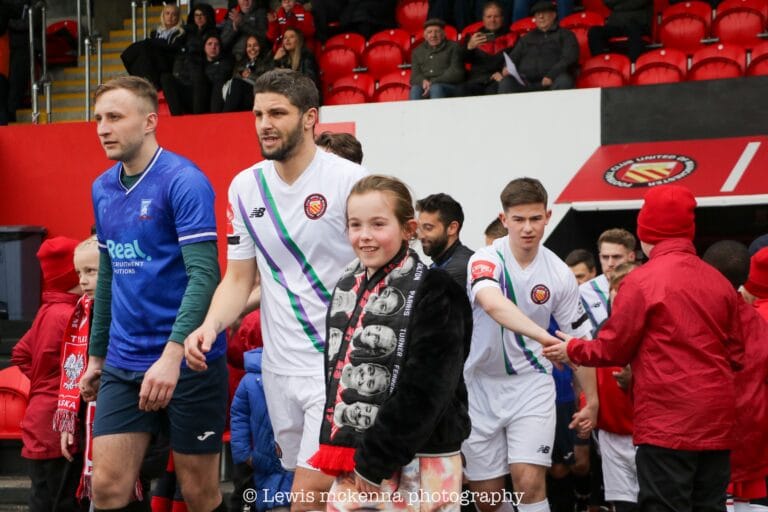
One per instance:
[(194, 419)]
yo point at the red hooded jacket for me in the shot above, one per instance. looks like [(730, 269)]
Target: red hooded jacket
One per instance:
[(676, 320), (38, 356)]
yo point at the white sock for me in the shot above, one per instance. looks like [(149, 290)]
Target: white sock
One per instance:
[(542, 506), (505, 507)]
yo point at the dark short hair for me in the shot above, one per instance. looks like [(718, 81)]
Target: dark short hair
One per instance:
[(300, 90), (140, 87), (344, 145), (434, 22), (446, 207), (577, 256), (618, 236), (731, 258), (493, 3), (523, 191), (496, 229)]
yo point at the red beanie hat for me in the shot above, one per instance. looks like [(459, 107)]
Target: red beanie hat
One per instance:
[(667, 212), (56, 257), (757, 282)]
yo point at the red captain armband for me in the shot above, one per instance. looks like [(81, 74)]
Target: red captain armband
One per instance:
[(482, 269)]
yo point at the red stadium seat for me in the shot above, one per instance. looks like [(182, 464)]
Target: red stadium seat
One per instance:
[(350, 40), (162, 104), (579, 23), (335, 62), (759, 63), (398, 77), (607, 70), (382, 57), (220, 14), (597, 6), (451, 33), (411, 15), (718, 61), (740, 21), (522, 26), (395, 35), (392, 92), (344, 95), (14, 391), (684, 25), (661, 66), (362, 81), (61, 42)]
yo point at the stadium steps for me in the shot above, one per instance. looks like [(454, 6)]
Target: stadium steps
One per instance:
[(68, 88)]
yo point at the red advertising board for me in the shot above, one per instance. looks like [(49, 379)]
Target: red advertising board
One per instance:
[(710, 168)]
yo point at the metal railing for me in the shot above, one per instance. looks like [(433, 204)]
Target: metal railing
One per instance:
[(44, 82), (134, 22), (89, 49)]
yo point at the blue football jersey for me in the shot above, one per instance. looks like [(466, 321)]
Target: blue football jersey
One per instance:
[(143, 229)]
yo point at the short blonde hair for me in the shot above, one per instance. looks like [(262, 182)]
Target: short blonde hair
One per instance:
[(89, 243)]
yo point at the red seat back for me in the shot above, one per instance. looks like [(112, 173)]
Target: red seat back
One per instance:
[(684, 25), (607, 70), (392, 92), (61, 42), (411, 15), (344, 95), (717, 61), (597, 6), (220, 14), (470, 29), (523, 26), (740, 21), (584, 19), (382, 57), (759, 63), (395, 35), (398, 77), (351, 40), (337, 61), (665, 65), (362, 81)]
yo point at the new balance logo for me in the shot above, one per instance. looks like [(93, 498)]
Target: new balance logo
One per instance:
[(543, 449), (205, 435), (257, 212)]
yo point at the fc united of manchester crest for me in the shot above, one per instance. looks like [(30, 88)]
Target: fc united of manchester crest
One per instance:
[(649, 170), (315, 206)]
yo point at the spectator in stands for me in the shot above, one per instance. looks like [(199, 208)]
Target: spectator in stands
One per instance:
[(253, 441), (495, 229), (218, 70), (38, 356), (461, 13), (437, 67), (17, 23), (249, 17), (289, 15), (152, 57), (484, 53), (630, 18), (439, 224), (582, 264), (294, 55), (258, 60), (344, 145), (185, 87), (544, 57)]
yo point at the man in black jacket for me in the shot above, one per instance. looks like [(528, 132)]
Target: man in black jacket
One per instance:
[(544, 57), (440, 221)]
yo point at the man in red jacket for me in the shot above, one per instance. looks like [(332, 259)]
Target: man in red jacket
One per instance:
[(38, 356), (676, 320)]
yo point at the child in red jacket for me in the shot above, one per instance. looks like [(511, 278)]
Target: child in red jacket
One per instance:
[(38, 355)]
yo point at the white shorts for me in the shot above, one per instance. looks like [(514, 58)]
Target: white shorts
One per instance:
[(295, 406), (619, 468), (513, 421)]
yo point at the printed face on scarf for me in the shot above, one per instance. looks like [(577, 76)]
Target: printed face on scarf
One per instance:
[(343, 301), (367, 378), (388, 302), (358, 415), (379, 338), (334, 341)]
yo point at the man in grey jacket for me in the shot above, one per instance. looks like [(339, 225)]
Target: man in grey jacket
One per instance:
[(437, 66)]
